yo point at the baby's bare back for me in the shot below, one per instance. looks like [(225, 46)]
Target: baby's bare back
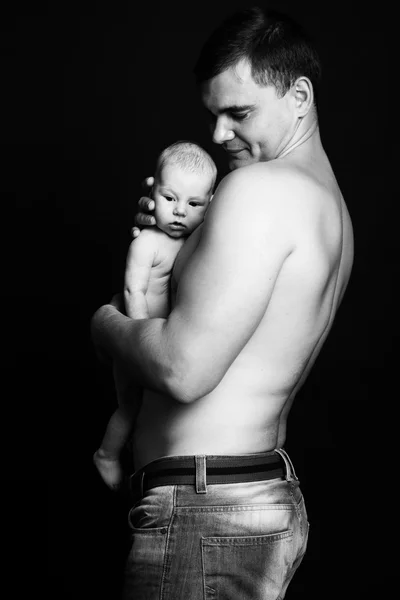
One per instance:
[(150, 261)]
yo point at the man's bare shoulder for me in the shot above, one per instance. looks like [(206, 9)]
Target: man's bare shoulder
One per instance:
[(271, 189), (307, 208)]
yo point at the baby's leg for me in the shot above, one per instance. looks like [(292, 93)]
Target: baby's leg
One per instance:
[(120, 425)]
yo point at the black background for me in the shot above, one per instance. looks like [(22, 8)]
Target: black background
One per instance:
[(91, 92)]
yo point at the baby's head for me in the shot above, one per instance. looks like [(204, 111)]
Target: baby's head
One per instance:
[(183, 187)]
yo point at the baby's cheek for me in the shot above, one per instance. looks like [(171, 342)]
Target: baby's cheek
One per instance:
[(158, 212)]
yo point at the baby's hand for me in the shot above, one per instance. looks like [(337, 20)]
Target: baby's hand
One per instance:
[(146, 204)]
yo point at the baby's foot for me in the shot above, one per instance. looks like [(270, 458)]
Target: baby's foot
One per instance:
[(109, 469)]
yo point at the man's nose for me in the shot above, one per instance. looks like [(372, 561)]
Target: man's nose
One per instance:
[(222, 132), (180, 209)]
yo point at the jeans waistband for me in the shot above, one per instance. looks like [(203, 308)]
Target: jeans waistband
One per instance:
[(200, 470)]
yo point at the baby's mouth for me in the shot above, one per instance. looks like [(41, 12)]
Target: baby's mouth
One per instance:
[(178, 224)]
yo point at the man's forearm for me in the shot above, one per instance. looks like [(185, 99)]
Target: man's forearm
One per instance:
[(138, 343)]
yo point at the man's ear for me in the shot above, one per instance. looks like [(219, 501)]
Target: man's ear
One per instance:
[(303, 94)]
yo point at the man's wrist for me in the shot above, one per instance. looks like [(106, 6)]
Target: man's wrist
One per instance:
[(100, 321)]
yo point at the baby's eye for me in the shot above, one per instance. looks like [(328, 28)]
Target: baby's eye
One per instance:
[(169, 198), (194, 204)]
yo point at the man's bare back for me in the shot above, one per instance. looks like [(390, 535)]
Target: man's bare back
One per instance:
[(247, 411)]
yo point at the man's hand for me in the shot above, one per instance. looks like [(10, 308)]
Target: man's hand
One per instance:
[(117, 301), (144, 218)]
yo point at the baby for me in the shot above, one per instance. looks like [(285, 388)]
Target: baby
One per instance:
[(183, 186)]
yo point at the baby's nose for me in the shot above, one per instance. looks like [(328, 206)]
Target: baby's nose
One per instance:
[(180, 209)]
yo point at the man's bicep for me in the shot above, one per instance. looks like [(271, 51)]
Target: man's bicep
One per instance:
[(226, 286)]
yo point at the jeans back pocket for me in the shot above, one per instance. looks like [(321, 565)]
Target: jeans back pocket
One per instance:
[(249, 568)]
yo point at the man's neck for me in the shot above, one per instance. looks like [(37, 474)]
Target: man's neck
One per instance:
[(307, 129)]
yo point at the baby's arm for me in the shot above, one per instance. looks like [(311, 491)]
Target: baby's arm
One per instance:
[(139, 262)]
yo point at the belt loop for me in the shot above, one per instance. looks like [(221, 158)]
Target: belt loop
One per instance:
[(201, 474), (288, 464), (291, 465), (136, 483)]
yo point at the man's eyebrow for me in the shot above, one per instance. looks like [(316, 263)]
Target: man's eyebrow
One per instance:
[(238, 107), (234, 108)]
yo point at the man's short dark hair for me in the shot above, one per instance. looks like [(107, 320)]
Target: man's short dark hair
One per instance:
[(277, 48)]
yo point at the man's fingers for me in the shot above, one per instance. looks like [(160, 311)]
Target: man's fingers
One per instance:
[(148, 182), (143, 219), (146, 204), (135, 231)]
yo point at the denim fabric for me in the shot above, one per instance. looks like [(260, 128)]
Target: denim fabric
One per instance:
[(240, 541)]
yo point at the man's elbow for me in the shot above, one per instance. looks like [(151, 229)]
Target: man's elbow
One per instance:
[(187, 387)]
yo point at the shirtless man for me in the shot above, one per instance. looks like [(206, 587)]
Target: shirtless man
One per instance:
[(219, 511)]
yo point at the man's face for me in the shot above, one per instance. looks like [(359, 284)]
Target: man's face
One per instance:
[(181, 200), (250, 121)]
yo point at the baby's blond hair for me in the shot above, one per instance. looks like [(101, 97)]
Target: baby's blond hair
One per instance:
[(188, 156)]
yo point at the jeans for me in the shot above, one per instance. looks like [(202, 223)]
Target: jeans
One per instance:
[(236, 541)]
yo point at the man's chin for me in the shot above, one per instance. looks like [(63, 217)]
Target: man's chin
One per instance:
[(240, 160)]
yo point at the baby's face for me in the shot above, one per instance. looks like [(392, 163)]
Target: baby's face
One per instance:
[(181, 200)]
